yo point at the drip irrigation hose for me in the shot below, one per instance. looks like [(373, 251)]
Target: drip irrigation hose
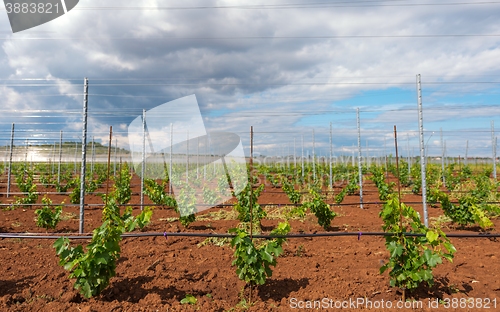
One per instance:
[(224, 205), (220, 235)]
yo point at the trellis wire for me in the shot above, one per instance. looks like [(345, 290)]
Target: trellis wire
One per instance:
[(358, 234)]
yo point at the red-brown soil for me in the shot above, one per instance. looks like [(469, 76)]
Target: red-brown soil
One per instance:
[(154, 273)]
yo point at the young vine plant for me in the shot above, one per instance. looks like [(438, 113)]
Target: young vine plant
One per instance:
[(47, 217), (244, 198), (290, 191), (253, 261), (24, 180), (468, 211), (123, 192), (94, 267), (412, 258), (320, 209)]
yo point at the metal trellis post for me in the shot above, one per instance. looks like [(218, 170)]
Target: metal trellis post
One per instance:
[(143, 168), (84, 156), (360, 169), (422, 152)]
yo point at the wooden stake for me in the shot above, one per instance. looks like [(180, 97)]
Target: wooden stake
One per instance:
[(399, 195), (109, 164)]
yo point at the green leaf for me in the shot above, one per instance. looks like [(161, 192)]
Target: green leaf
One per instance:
[(86, 290), (431, 236), (426, 275), (448, 257), (397, 250), (449, 247), (189, 299), (434, 260), (266, 256), (61, 244)]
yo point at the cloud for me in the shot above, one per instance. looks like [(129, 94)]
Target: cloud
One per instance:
[(257, 67)]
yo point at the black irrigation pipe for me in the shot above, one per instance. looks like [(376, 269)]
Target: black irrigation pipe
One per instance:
[(303, 235), (226, 205)]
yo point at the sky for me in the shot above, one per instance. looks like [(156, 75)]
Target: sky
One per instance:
[(287, 68)]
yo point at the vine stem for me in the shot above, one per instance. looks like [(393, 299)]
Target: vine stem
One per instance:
[(399, 198)]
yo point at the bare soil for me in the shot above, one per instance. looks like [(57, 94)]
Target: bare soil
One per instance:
[(156, 273)]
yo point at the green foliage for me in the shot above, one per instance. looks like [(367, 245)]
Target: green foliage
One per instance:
[(46, 179), (404, 176), (157, 194), (122, 189), (187, 202), (340, 196), (299, 211), (487, 172), (74, 196), (452, 180), (468, 211), (384, 189), (63, 187), (432, 175), (47, 217), (243, 204), (466, 172), (412, 258), (351, 187), (223, 186), (141, 221), (91, 186), (189, 299), (320, 209), (416, 174), (432, 195), (290, 191), (254, 262), (94, 268), (65, 182), (210, 197), (24, 180), (273, 180), (483, 188)]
